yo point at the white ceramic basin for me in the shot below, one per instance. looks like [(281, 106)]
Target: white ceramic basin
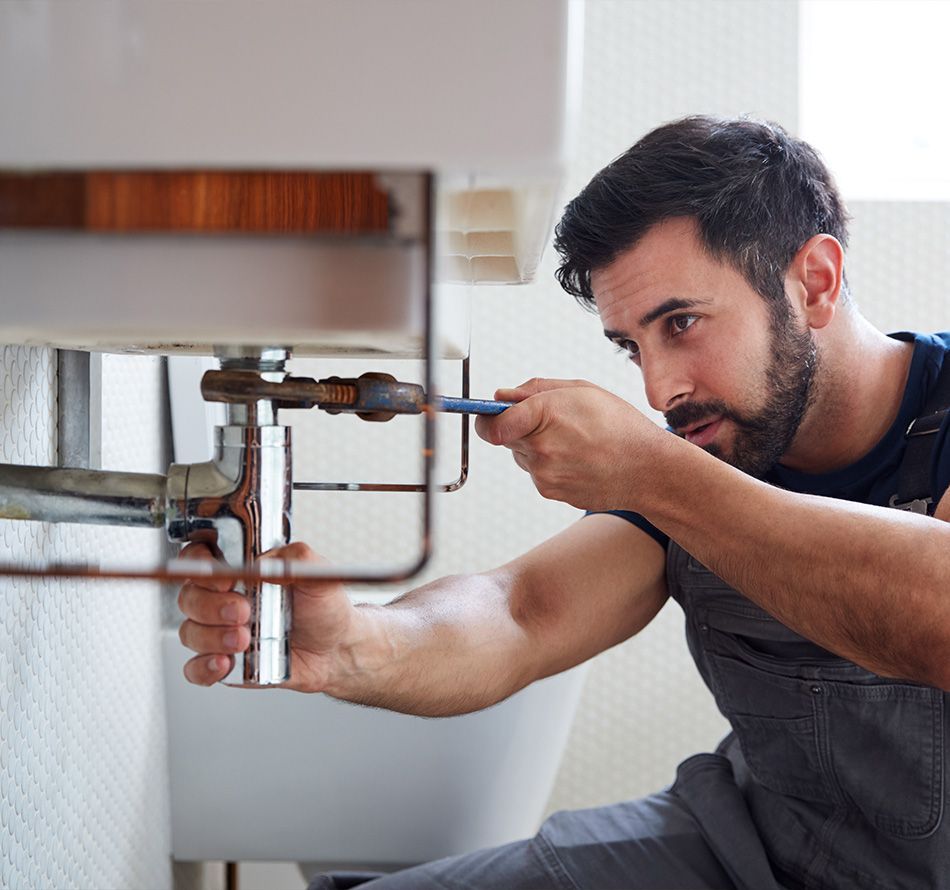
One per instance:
[(279, 775), (481, 94)]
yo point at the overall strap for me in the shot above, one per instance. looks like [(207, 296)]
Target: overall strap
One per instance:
[(913, 479)]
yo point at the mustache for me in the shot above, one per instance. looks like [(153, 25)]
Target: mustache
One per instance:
[(691, 412)]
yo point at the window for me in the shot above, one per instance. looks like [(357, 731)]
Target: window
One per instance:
[(874, 94)]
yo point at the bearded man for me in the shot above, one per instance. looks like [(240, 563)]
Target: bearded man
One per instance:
[(819, 617)]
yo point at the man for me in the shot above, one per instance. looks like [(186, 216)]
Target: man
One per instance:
[(819, 618)]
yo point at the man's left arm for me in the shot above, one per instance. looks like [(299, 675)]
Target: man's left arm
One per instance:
[(871, 584)]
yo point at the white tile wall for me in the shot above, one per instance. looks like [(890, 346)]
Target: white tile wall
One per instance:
[(83, 775)]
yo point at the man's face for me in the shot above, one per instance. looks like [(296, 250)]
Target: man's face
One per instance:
[(730, 372)]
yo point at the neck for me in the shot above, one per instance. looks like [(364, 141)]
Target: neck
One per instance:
[(859, 387)]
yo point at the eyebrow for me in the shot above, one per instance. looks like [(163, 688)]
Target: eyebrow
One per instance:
[(666, 307)]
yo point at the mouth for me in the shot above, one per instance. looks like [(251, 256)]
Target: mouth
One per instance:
[(701, 433)]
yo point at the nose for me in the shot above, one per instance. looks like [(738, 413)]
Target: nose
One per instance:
[(667, 381)]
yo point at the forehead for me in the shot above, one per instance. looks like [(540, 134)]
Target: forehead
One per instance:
[(669, 261)]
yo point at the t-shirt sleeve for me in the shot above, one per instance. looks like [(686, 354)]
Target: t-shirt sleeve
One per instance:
[(940, 462), (940, 469), (641, 523)]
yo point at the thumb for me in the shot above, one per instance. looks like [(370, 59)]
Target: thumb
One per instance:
[(300, 552), (516, 422)]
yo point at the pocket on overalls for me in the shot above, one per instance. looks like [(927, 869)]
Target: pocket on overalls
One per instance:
[(774, 720), (886, 745)]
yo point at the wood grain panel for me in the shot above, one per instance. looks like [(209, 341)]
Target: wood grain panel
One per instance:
[(210, 201)]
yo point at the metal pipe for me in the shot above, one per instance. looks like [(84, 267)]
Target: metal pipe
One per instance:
[(261, 500), (48, 494), (254, 442), (240, 502)]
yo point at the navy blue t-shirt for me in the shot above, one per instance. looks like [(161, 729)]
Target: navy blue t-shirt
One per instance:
[(873, 478)]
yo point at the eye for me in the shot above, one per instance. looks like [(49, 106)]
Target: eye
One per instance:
[(630, 349), (681, 323)]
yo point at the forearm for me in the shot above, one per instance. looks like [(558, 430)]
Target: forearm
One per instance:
[(868, 583), (447, 648)]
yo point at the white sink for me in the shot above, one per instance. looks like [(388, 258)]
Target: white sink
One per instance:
[(273, 774), (480, 94)]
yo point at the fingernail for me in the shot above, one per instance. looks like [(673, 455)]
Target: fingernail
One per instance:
[(231, 639), (229, 612), (213, 664)]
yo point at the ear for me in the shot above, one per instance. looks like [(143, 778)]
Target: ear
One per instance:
[(813, 280)]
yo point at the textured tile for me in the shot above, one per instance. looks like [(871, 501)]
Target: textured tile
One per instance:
[(83, 797)]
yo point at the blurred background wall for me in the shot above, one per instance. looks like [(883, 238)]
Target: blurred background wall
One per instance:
[(82, 726)]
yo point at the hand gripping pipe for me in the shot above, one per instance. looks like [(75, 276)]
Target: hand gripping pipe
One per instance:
[(239, 503)]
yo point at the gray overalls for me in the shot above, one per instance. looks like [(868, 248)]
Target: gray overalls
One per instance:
[(832, 778), (843, 771)]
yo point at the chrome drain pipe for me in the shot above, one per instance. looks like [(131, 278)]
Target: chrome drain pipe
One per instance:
[(240, 503)]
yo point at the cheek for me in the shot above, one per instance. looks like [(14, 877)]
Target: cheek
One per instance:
[(735, 377), (746, 364)]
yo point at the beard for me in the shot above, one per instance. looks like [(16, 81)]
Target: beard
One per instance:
[(763, 436)]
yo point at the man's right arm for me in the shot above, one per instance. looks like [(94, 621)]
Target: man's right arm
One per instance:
[(462, 643)]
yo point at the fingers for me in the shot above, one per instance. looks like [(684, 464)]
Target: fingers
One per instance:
[(216, 626), (206, 670), (527, 416), (534, 386), (213, 607), (216, 618), (215, 640), (201, 554)]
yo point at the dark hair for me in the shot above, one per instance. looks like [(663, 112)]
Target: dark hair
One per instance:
[(756, 193)]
